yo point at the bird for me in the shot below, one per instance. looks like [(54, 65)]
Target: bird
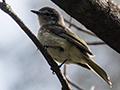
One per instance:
[(62, 44)]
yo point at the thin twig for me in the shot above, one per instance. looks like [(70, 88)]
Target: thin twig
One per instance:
[(80, 28), (70, 22), (74, 84), (65, 69), (6, 8), (95, 43)]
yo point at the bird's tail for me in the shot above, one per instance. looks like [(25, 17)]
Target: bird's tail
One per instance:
[(98, 70)]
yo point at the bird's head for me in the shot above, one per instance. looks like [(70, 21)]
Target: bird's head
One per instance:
[(47, 15)]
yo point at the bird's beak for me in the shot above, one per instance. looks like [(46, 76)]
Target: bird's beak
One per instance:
[(36, 12)]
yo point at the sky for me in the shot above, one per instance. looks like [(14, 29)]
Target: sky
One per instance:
[(22, 66)]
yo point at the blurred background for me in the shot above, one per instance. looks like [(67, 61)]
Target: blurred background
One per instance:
[(22, 66)]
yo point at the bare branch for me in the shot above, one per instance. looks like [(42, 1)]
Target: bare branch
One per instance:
[(65, 69), (6, 8), (95, 43), (70, 22), (79, 28), (74, 84)]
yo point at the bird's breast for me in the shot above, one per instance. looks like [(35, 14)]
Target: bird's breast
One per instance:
[(48, 38), (58, 47)]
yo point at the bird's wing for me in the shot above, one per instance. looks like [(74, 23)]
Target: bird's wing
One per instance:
[(66, 33)]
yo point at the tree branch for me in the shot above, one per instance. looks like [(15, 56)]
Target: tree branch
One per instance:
[(71, 82), (95, 43), (101, 17), (71, 24), (6, 8)]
